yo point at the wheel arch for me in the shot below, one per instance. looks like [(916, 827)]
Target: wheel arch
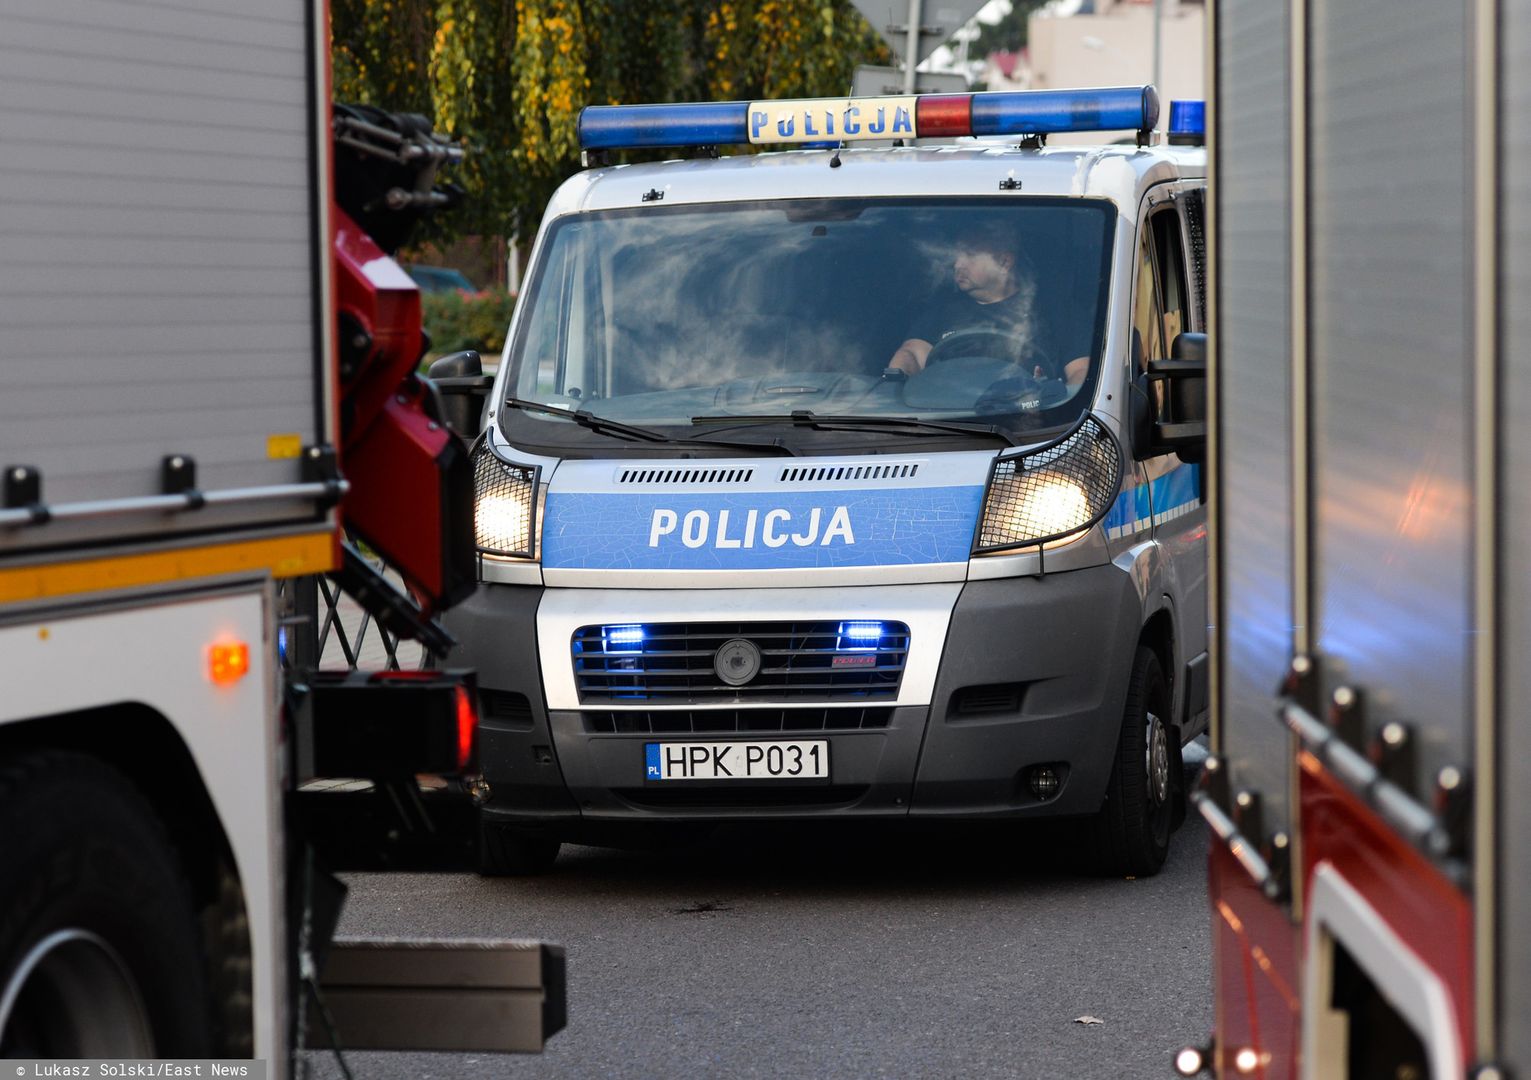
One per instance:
[(145, 747), (1158, 634)]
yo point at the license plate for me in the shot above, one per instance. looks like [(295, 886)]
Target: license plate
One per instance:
[(737, 761)]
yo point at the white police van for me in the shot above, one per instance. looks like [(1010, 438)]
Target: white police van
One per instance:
[(848, 481)]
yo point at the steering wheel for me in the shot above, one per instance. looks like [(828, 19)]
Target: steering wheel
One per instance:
[(976, 343)]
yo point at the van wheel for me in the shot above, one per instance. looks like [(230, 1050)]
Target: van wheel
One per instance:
[(100, 947), (505, 851), (1132, 828)]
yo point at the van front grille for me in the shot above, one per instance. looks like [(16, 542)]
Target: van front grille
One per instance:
[(678, 663)]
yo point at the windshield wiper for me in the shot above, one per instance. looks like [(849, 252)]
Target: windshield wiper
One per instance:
[(904, 425), (615, 428)]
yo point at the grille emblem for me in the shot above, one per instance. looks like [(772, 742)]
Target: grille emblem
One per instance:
[(737, 661)]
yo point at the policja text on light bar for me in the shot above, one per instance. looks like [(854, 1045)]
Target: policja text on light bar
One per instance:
[(1022, 112)]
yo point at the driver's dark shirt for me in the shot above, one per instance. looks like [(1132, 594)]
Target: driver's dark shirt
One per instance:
[(1011, 316)]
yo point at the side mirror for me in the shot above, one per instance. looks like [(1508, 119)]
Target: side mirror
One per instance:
[(1170, 402), (463, 385)]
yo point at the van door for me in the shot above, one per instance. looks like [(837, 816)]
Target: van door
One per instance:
[(1164, 308)]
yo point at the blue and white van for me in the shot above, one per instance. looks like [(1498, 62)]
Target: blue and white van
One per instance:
[(850, 481)]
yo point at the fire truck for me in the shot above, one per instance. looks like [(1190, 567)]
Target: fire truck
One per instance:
[(1371, 167), (209, 398)]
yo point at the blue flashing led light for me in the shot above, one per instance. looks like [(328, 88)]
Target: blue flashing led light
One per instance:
[(1188, 121), (1039, 112), (859, 635), (711, 123), (622, 638)]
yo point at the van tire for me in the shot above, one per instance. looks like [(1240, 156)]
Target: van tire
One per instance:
[(505, 851), (1131, 831), (94, 896)]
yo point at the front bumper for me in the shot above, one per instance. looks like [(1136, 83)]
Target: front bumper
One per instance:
[(1032, 671)]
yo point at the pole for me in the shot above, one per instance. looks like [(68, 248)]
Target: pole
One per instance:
[(912, 49), (1158, 49)]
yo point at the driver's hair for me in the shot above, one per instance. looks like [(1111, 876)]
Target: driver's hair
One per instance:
[(996, 238)]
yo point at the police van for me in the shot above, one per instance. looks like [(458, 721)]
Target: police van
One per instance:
[(852, 480)]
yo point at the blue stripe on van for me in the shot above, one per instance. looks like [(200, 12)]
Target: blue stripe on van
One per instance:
[(1140, 507)]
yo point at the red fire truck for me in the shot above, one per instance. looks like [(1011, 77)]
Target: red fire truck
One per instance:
[(207, 389), (1371, 390)]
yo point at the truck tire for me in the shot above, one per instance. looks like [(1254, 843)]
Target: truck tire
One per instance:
[(231, 968), (505, 851), (100, 946), (1133, 826)]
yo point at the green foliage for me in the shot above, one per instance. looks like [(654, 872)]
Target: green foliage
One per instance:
[(457, 320), (475, 82), (785, 48), (509, 77), (380, 51)]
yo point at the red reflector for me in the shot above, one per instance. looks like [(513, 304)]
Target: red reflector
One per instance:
[(467, 727), (943, 114)]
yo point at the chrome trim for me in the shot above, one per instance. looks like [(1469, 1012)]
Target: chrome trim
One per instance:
[(171, 504), (1411, 818), (1238, 845), (1485, 68), (1302, 451)]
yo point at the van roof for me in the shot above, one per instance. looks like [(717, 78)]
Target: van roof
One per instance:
[(969, 167)]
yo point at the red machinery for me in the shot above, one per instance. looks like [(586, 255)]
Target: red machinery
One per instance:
[(398, 453)]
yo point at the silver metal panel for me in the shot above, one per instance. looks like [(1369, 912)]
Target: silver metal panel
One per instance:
[(1254, 387), (475, 995), (157, 246), (1514, 755), (1390, 237)]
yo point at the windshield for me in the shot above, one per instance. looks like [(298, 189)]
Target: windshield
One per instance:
[(984, 311)]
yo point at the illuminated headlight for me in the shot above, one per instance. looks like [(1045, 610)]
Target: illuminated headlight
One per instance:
[(504, 503), (1053, 492)]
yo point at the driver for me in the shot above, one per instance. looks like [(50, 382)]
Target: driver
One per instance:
[(994, 298)]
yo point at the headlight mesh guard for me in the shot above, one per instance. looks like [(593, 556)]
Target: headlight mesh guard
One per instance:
[(497, 478), (1088, 457)]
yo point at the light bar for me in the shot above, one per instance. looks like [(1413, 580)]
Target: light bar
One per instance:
[(704, 123), (837, 120), (1188, 122)]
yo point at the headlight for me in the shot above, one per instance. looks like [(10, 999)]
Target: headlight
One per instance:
[(504, 502), (1052, 492)]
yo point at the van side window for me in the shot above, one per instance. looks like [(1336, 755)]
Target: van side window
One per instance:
[(1147, 326), (1169, 255)]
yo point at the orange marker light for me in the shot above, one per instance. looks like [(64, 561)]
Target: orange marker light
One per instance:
[(228, 662)]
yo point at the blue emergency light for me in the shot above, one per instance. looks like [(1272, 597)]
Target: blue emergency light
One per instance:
[(837, 120), (859, 636), (1188, 122), (622, 638)]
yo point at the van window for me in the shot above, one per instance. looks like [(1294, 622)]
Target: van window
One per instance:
[(1147, 326), (1169, 257), (659, 315)]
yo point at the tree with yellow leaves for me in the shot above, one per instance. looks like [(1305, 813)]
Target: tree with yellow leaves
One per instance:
[(509, 77)]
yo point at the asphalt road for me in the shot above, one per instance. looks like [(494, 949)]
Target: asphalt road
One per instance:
[(894, 953)]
